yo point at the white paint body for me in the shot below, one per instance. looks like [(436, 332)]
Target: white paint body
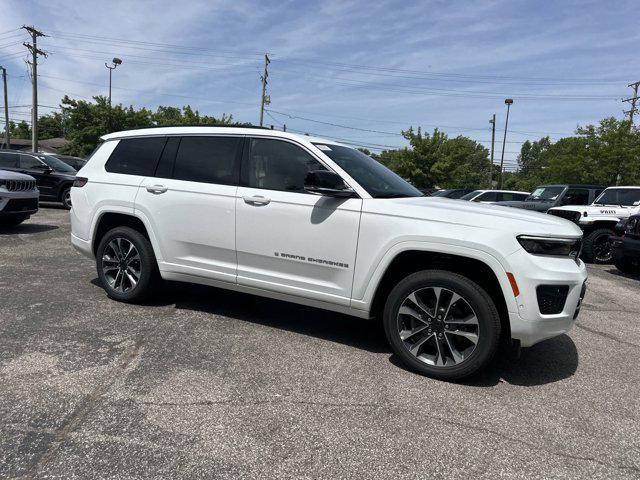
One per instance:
[(206, 233), (590, 214)]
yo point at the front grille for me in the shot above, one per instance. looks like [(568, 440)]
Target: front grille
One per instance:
[(20, 185), (551, 298), (573, 216), (21, 205)]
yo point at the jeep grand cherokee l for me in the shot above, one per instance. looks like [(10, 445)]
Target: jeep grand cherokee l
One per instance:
[(312, 221)]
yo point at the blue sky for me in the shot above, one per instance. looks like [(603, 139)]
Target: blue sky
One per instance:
[(374, 66)]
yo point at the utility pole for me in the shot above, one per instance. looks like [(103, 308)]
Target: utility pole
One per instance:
[(493, 139), (508, 103), (633, 101), (33, 48), (265, 98), (7, 136)]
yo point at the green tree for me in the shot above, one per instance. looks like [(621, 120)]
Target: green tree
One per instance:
[(21, 130)]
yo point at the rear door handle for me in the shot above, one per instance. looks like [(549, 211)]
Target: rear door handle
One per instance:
[(256, 200), (156, 189)]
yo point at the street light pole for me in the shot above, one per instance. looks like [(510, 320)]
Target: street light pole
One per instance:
[(115, 62), (508, 103)]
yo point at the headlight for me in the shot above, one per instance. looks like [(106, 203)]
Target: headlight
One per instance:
[(560, 247)]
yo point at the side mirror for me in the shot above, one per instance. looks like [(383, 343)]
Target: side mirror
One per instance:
[(329, 184)]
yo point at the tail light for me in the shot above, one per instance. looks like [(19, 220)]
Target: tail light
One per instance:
[(80, 181)]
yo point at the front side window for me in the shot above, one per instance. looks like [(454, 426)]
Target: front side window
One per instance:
[(576, 196), (278, 165), (471, 195), (545, 194), (625, 197), (375, 178), (57, 165), (8, 160), (487, 197), (207, 160), (31, 163), (136, 156)]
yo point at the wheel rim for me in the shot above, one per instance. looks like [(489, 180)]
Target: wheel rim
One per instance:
[(121, 265), (438, 326), (602, 248), (67, 198)]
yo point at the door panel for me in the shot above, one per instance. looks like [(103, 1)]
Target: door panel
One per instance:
[(297, 243), (194, 225)]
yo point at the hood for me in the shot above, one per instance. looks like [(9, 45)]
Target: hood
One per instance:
[(600, 211), (8, 175), (472, 214)]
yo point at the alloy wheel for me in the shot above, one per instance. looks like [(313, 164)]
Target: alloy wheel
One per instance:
[(602, 249), (121, 265), (438, 326), (66, 198)]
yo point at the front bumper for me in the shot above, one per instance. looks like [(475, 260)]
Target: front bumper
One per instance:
[(528, 325), (18, 203)]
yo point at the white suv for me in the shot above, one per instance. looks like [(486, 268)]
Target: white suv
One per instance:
[(315, 222)]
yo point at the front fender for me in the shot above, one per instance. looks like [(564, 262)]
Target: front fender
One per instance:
[(498, 266)]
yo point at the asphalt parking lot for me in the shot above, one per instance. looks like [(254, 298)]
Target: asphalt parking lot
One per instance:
[(203, 383)]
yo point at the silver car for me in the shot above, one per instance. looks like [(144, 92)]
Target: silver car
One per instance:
[(18, 197)]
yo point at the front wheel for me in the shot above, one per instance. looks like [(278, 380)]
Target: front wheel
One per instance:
[(126, 265), (597, 247), (441, 324)]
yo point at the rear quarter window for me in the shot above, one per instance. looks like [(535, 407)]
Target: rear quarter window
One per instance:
[(136, 156)]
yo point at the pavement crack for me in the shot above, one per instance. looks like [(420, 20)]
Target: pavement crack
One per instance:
[(119, 367), (606, 335), (257, 402)]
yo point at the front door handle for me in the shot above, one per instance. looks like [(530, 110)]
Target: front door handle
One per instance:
[(156, 189), (256, 200)]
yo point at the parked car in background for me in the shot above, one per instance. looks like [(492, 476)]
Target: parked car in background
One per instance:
[(545, 197), (283, 215), (428, 192), (625, 248), (451, 193), (18, 197), (74, 162), (53, 177), (598, 220), (493, 196)]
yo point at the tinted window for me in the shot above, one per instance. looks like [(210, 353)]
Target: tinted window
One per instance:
[(278, 165), (509, 196), (165, 166), (29, 162), (576, 196), (57, 164), (207, 160), (470, 195), (375, 178), (8, 160), (487, 197), (619, 196), (136, 156)]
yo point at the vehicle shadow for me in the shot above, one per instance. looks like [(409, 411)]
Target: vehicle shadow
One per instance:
[(26, 229), (53, 205), (549, 361), (618, 273)]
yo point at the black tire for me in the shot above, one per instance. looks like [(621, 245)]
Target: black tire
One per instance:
[(592, 243), (12, 221), (65, 197), (148, 267), (488, 323)]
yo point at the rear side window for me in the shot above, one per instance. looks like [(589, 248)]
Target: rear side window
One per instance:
[(576, 196), (208, 160), (8, 160), (487, 197), (136, 156)]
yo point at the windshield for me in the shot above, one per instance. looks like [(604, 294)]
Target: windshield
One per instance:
[(618, 196), (545, 194), (375, 178), (441, 193), (57, 165), (471, 195)]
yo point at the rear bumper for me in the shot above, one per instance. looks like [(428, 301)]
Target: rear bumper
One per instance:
[(82, 246)]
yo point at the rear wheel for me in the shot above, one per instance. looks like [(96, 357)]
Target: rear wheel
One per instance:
[(126, 265), (596, 246), (441, 324), (65, 198)]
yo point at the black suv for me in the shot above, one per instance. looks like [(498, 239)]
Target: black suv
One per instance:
[(53, 177), (545, 197), (625, 249), (452, 193)]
